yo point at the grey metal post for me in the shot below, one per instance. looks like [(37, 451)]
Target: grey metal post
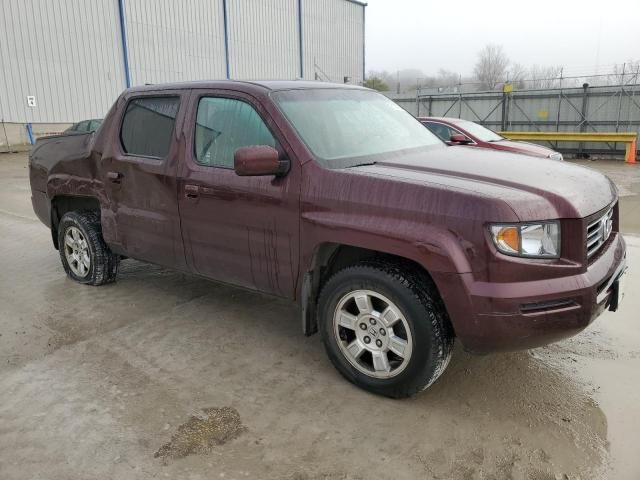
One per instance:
[(559, 105), (503, 118), (430, 103), (507, 110), (624, 65), (633, 94), (583, 113)]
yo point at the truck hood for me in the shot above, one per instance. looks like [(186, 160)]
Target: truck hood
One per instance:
[(534, 188)]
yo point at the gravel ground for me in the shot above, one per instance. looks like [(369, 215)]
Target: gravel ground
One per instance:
[(167, 375)]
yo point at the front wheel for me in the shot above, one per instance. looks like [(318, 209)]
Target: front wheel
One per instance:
[(85, 256), (385, 327)]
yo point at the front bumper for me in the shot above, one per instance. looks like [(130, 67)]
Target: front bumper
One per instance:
[(490, 316)]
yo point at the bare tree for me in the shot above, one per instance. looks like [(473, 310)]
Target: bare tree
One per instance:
[(516, 75), (401, 81), (408, 79), (544, 77), (446, 78), (625, 72), (383, 75), (491, 67), (376, 83)]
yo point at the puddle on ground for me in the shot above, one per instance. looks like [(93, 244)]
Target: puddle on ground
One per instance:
[(216, 426)]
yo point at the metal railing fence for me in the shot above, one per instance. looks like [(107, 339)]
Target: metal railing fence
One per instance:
[(587, 109)]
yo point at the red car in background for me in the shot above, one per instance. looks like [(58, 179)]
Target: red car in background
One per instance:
[(455, 131)]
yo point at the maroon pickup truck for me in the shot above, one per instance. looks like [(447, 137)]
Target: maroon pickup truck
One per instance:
[(332, 196)]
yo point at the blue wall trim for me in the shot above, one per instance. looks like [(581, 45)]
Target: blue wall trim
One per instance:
[(300, 39), (125, 49), (226, 38), (30, 134)]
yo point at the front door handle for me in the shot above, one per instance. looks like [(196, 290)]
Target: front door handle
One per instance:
[(115, 177), (191, 191)]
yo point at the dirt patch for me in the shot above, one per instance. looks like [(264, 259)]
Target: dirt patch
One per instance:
[(201, 433)]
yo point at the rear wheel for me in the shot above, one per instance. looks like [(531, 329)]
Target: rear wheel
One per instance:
[(85, 256), (385, 328)]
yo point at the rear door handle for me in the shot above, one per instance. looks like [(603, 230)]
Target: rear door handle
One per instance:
[(115, 177), (191, 191)]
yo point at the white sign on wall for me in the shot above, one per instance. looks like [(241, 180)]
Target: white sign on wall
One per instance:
[(31, 100)]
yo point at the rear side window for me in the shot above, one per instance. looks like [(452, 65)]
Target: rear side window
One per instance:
[(148, 124), (223, 125)]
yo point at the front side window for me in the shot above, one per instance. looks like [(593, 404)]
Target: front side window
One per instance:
[(94, 125), (443, 131), (147, 126), (339, 125), (223, 125), (83, 126)]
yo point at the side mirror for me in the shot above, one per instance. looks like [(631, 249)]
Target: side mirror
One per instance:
[(459, 138), (259, 160)]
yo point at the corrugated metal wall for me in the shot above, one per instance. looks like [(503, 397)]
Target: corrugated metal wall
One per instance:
[(172, 41), (263, 39), (66, 54), (333, 38), (69, 53)]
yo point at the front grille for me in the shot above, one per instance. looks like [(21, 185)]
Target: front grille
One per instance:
[(598, 232)]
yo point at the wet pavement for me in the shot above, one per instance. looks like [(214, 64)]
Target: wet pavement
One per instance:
[(167, 375)]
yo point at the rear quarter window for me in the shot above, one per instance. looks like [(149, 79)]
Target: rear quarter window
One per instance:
[(147, 126)]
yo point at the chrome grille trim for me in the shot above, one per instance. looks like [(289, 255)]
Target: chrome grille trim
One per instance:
[(598, 232)]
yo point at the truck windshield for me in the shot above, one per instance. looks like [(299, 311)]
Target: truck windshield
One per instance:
[(344, 127)]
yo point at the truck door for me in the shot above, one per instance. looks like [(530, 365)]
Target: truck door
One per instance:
[(139, 173), (239, 230)]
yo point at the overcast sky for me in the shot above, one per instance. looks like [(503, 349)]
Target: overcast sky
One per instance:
[(429, 35)]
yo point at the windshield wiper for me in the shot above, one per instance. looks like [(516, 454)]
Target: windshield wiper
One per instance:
[(361, 164)]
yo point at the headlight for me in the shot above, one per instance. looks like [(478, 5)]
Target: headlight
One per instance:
[(556, 156), (538, 240)]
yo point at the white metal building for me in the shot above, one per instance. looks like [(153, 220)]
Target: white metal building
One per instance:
[(66, 60)]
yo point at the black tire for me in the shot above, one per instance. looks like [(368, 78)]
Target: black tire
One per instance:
[(103, 267), (417, 298)]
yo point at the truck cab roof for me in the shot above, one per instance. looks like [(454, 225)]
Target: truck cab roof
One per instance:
[(270, 85)]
